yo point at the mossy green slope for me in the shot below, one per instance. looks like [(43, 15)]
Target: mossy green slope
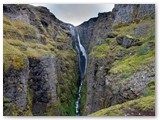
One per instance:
[(135, 57), (143, 106), (33, 40), (118, 66)]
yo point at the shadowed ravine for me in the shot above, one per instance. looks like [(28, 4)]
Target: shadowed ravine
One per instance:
[(103, 67), (82, 57)]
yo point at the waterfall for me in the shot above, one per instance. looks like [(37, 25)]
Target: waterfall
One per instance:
[(82, 57)]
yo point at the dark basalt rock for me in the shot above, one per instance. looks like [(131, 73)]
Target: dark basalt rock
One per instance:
[(94, 29), (128, 42), (39, 94), (42, 83), (128, 13), (11, 8), (45, 24), (115, 90), (15, 85), (41, 74), (111, 35), (150, 46)]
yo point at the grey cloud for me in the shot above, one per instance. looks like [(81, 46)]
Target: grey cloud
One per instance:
[(76, 13)]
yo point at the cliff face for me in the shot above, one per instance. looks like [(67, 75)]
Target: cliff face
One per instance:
[(94, 29), (40, 64), (120, 56), (85, 31), (41, 67), (126, 14)]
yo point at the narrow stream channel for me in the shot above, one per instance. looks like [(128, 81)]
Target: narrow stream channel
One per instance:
[(82, 58)]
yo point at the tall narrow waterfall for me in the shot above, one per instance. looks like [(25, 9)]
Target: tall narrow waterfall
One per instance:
[(82, 57)]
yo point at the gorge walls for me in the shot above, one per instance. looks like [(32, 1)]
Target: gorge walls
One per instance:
[(40, 64), (42, 72), (120, 65), (82, 58)]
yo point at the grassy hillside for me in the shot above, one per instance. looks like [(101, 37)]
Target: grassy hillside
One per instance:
[(141, 107), (32, 40), (133, 58)]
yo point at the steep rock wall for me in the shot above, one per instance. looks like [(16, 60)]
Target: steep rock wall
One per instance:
[(47, 85), (120, 47), (124, 13), (43, 82), (116, 72), (15, 82)]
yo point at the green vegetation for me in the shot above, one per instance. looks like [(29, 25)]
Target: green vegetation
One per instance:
[(133, 58), (145, 104), (15, 33), (129, 36), (127, 29), (17, 29), (136, 56), (68, 109), (147, 92), (52, 109), (68, 80), (23, 40), (29, 101), (83, 97), (126, 74), (118, 25), (24, 28), (31, 49), (149, 89), (9, 31), (100, 51), (142, 50), (12, 110), (102, 48), (132, 63), (12, 57), (6, 21), (36, 53)]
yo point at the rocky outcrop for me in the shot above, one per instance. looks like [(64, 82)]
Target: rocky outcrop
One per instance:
[(85, 31), (142, 30), (114, 73), (146, 11), (124, 13), (95, 85), (130, 88), (47, 85), (128, 41), (104, 89), (41, 66), (43, 82), (137, 107), (15, 82), (88, 30)]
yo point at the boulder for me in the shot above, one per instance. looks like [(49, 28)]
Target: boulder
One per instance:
[(128, 41)]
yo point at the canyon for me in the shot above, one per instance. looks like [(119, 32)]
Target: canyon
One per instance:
[(52, 68)]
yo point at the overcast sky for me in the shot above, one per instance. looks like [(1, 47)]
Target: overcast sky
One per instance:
[(76, 13)]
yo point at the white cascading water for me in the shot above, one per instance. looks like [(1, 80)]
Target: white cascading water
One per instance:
[(82, 56)]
